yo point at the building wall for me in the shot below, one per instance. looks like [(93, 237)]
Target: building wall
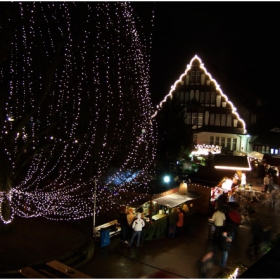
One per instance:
[(202, 202), (234, 142)]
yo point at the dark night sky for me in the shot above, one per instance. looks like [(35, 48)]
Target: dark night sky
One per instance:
[(247, 33)]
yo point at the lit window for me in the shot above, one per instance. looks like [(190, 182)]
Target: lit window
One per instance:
[(217, 142), (272, 151), (253, 118), (234, 141), (192, 76), (211, 140), (222, 141), (194, 118), (197, 77), (229, 143), (200, 119), (229, 120)]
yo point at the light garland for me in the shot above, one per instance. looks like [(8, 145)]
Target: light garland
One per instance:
[(204, 149), (217, 88), (76, 105)]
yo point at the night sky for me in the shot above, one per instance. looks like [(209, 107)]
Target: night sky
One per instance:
[(236, 39)]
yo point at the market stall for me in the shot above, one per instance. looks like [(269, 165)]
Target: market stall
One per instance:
[(154, 210)]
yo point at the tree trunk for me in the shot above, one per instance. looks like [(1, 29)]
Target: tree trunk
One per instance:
[(6, 216)]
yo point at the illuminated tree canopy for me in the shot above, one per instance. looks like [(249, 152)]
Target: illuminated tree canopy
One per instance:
[(75, 104)]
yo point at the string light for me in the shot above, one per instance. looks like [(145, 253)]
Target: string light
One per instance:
[(212, 80), (77, 104)]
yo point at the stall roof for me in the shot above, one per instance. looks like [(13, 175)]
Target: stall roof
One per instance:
[(256, 155), (229, 162), (175, 199)]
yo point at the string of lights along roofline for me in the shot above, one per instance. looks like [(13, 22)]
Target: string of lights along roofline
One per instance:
[(217, 88), (67, 84)]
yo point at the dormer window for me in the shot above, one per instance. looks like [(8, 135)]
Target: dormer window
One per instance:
[(197, 77), (192, 76)]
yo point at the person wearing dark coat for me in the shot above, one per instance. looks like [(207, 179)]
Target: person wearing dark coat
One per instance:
[(122, 220)]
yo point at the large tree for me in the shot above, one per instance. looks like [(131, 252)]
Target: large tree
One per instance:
[(75, 105), (174, 134)]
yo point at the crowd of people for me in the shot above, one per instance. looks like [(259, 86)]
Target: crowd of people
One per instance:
[(132, 224), (225, 221), (223, 225)]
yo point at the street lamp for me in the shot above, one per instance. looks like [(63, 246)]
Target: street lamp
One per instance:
[(166, 179)]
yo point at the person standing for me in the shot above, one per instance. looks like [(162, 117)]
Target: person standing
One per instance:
[(130, 218), (266, 182), (173, 219), (222, 198), (137, 227), (218, 219), (270, 185), (180, 223), (122, 220), (224, 244), (274, 195)]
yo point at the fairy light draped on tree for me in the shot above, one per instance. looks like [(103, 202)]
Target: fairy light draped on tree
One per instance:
[(76, 105)]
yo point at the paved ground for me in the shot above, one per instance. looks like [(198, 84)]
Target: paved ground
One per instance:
[(34, 240), (39, 239)]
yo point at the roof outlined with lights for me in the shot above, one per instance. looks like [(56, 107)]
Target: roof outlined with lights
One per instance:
[(196, 62)]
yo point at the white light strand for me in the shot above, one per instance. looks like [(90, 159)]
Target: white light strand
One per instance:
[(217, 88), (97, 111)]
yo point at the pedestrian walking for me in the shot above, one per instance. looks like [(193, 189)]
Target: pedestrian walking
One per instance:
[(270, 186), (274, 195), (205, 264), (224, 244), (137, 227), (266, 182), (218, 219)]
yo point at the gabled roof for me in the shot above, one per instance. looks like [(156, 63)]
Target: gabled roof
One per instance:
[(196, 62)]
